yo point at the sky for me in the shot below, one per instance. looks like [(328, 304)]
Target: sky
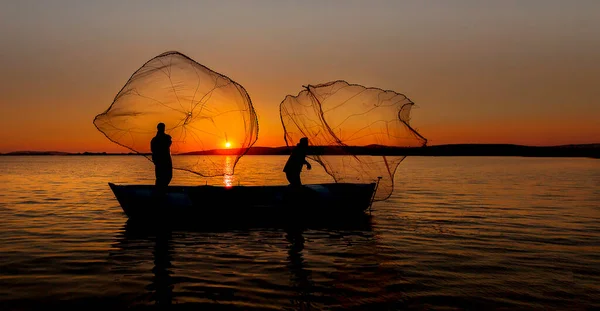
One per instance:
[(517, 72)]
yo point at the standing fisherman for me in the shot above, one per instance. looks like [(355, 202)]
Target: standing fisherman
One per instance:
[(161, 156)]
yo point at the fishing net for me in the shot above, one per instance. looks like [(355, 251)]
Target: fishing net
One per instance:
[(203, 111), (365, 128)]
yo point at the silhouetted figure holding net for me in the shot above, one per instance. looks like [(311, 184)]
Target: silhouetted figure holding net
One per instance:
[(294, 164), (161, 156), (201, 106), (349, 117)]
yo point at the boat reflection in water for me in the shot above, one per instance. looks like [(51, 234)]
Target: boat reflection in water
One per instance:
[(300, 277), (143, 253), (314, 265), (162, 284)]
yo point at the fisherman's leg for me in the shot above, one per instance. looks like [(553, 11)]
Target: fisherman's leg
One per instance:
[(163, 177), (168, 175), (157, 175), (293, 178), (160, 186)]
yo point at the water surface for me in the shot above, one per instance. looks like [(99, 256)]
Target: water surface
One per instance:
[(457, 233)]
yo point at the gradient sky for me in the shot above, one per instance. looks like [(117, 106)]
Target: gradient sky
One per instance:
[(522, 72)]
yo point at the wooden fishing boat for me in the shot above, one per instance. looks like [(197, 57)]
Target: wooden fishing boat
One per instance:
[(337, 199)]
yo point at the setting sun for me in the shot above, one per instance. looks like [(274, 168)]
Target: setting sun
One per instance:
[(227, 144)]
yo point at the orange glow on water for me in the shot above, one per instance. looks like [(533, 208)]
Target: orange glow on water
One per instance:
[(228, 180), (228, 170)]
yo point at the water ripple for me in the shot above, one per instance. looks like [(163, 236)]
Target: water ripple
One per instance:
[(458, 233)]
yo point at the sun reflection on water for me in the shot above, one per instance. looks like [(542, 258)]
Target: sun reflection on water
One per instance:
[(228, 170)]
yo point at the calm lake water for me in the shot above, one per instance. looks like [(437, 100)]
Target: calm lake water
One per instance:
[(458, 233)]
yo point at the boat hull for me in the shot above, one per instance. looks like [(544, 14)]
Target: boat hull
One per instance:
[(336, 199)]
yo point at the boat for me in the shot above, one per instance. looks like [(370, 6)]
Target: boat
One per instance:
[(206, 110), (275, 201)]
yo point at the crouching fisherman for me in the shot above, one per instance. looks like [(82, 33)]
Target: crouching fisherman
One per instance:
[(294, 164)]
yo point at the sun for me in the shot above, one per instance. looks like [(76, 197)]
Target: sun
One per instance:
[(227, 144)]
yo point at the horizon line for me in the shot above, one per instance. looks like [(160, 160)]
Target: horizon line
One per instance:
[(285, 146)]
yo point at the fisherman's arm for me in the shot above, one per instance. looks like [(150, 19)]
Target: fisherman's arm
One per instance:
[(307, 165)]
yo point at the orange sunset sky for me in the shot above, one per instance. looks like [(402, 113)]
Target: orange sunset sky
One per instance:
[(521, 72)]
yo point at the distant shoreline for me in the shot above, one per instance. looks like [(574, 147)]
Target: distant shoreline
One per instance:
[(582, 150)]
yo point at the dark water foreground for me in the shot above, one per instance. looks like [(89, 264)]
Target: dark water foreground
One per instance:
[(251, 268), (458, 234), (245, 265)]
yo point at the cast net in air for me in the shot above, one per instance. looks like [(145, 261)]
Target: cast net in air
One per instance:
[(362, 126), (203, 111)]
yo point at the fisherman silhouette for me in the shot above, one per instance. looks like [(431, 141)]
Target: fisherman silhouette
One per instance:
[(294, 164), (161, 156)]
